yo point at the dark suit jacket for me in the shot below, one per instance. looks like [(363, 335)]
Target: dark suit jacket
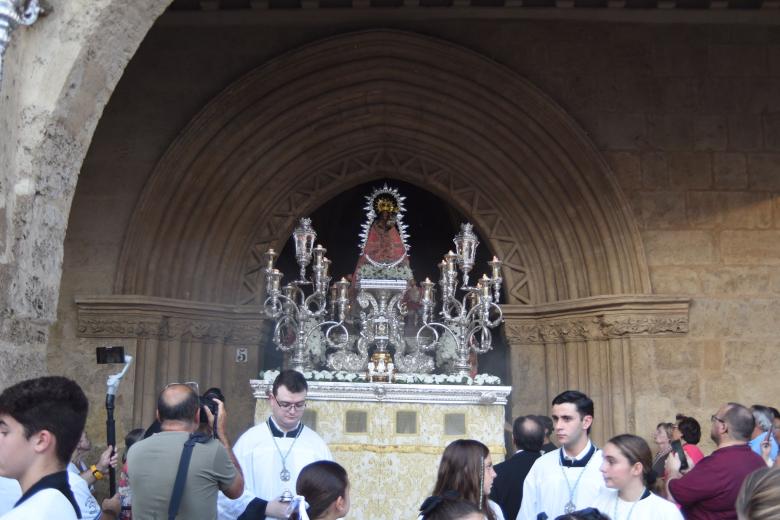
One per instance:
[(507, 488)]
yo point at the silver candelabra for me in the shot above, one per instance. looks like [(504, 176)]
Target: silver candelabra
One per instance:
[(468, 318), (300, 313)]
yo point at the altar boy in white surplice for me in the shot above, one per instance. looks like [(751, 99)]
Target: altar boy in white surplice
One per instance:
[(272, 453), (568, 478)]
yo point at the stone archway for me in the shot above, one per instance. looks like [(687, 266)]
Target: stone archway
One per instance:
[(350, 109), (58, 76), (298, 130)]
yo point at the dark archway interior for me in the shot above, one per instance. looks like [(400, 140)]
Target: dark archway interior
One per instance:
[(432, 224)]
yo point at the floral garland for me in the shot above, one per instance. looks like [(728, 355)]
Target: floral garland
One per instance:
[(427, 379)]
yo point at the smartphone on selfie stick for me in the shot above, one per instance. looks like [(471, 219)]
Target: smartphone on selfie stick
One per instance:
[(105, 356)]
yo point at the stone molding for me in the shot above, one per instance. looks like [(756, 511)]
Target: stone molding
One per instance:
[(396, 393), (127, 316), (597, 318)]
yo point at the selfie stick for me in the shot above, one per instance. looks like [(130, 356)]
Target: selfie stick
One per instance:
[(113, 386)]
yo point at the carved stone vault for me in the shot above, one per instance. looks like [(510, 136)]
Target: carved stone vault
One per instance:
[(351, 109)]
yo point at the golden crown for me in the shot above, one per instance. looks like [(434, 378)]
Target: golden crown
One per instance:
[(386, 204)]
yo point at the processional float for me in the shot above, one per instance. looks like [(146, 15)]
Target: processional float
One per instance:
[(357, 326)]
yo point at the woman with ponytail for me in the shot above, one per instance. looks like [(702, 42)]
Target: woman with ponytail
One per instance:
[(466, 472), (629, 477), (323, 492)]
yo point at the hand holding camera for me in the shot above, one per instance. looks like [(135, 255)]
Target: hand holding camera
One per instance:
[(212, 405)]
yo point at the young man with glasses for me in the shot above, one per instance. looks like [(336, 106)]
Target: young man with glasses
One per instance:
[(710, 489), (273, 452)]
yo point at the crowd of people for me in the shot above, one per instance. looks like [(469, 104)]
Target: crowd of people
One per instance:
[(185, 466)]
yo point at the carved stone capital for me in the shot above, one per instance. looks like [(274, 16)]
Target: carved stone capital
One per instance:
[(123, 316), (597, 318)]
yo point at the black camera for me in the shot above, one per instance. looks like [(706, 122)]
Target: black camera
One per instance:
[(207, 401)]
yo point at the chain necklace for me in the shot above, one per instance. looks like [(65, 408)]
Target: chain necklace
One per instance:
[(570, 507), (633, 505), (284, 475)]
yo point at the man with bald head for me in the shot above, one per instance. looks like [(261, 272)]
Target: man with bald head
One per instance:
[(710, 489), (528, 437), (153, 462)]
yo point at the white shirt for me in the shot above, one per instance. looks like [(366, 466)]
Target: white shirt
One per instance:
[(262, 465), (10, 492), (90, 510), (496, 510), (46, 503), (651, 508), (547, 486)]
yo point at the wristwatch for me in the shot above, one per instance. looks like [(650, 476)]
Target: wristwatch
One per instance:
[(96, 472)]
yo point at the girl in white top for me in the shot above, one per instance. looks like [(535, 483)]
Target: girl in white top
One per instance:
[(629, 477)]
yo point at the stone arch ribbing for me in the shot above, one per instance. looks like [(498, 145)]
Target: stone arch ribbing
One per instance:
[(263, 152)]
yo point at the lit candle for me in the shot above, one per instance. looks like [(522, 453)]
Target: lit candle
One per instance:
[(427, 290), (276, 276), (269, 259), (484, 285), (343, 286), (495, 264), (319, 253), (450, 258)]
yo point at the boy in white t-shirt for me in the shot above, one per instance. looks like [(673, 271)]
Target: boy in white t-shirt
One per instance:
[(41, 421)]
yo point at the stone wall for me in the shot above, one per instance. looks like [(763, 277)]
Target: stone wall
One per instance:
[(687, 117), (698, 157), (59, 74)]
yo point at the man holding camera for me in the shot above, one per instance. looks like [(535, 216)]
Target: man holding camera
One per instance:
[(274, 452), (153, 463)]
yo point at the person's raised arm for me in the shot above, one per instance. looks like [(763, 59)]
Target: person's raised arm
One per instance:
[(236, 488)]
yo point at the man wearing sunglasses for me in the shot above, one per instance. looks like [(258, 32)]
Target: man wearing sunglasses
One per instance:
[(273, 452)]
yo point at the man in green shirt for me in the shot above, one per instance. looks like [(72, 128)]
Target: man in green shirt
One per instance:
[(153, 462)]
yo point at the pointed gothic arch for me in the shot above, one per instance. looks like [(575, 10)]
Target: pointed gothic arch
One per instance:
[(346, 110)]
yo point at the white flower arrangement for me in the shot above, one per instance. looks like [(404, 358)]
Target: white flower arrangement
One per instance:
[(427, 379)]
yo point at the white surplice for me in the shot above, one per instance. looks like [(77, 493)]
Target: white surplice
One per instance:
[(546, 490), (262, 465)]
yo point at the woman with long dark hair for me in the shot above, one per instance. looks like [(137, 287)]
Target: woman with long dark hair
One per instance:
[(449, 508), (629, 477), (466, 471)]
